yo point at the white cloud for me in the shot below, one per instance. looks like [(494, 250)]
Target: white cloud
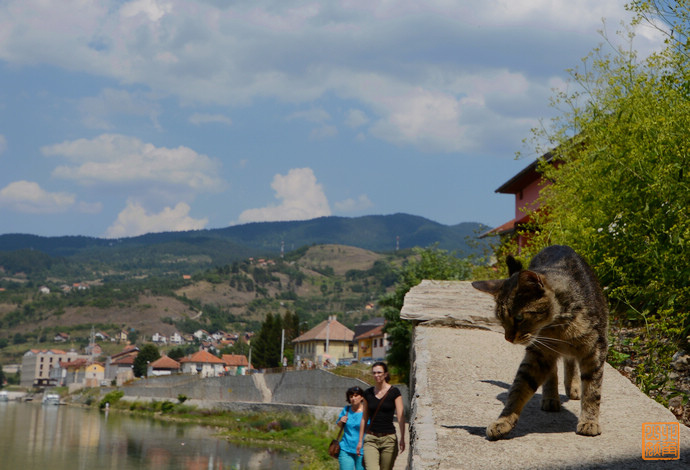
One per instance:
[(202, 118), (153, 9), (314, 53), (356, 118), (302, 198), (98, 111), (134, 220), (29, 197), (323, 132), (121, 160), (354, 205), (316, 115)]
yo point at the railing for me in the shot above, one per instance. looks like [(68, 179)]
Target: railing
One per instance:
[(361, 374)]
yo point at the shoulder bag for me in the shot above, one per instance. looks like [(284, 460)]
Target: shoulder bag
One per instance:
[(334, 446)]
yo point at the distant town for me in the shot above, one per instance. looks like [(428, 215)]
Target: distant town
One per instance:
[(328, 344)]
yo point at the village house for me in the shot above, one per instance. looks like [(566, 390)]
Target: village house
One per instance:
[(163, 366), (94, 350), (204, 364), (72, 374), (119, 367), (94, 375), (175, 338), (159, 338), (235, 364), (327, 342), (372, 344), (61, 338), (36, 365), (201, 335), (525, 186), (102, 336), (121, 337)]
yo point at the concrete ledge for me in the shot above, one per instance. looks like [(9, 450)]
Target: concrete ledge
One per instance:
[(460, 381), (450, 303)]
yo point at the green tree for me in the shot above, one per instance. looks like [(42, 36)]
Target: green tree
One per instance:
[(429, 263), (147, 354), (266, 345), (2, 377), (622, 195)]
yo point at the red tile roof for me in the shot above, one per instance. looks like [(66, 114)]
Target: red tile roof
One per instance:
[(238, 360), (124, 360), (378, 331), (203, 357), (336, 331), (76, 364), (165, 363)]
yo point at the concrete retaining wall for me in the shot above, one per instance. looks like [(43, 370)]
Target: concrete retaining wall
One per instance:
[(303, 387)]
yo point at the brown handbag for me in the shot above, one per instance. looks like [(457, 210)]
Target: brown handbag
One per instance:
[(334, 446)]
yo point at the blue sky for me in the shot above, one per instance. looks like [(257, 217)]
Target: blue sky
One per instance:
[(119, 118)]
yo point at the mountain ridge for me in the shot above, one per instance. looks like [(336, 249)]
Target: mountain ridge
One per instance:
[(380, 233)]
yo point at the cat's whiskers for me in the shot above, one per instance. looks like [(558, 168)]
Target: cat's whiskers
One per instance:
[(549, 338), (538, 341)]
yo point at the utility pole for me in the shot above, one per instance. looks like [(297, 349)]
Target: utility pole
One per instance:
[(282, 346)]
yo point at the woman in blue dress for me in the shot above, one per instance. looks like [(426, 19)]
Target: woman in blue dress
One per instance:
[(350, 418)]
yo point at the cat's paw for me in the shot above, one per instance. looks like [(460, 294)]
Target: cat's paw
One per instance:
[(573, 392), (588, 428), (551, 404), (498, 429)]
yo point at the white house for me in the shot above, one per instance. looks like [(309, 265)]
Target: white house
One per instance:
[(175, 338), (159, 338), (204, 364), (201, 334)]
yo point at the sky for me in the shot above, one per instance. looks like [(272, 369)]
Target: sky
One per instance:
[(119, 118)]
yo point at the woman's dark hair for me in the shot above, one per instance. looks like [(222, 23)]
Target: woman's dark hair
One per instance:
[(385, 369), (353, 391)]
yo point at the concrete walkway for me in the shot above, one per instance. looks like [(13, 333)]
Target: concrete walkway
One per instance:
[(461, 375)]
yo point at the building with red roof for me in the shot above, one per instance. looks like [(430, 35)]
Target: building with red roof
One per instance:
[(203, 363), (328, 341), (164, 366)]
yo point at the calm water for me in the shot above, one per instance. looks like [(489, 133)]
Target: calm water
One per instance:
[(37, 437)]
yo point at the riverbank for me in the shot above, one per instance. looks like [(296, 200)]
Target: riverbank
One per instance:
[(300, 433)]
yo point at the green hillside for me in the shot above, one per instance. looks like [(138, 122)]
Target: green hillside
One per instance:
[(312, 282), (195, 251)]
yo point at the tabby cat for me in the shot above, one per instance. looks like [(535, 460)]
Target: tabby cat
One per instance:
[(556, 308)]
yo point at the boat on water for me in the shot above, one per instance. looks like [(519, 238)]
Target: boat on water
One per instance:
[(51, 399), (4, 396)]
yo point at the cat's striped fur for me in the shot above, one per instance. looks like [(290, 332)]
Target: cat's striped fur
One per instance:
[(556, 308)]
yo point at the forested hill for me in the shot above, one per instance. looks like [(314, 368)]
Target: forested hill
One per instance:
[(203, 248)]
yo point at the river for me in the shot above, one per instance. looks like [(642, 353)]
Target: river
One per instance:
[(38, 437)]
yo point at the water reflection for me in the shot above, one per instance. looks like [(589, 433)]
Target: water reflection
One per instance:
[(34, 436)]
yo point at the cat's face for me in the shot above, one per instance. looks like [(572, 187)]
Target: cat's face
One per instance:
[(523, 305)]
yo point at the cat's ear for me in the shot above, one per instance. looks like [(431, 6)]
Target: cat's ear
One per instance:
[(514, 266), (529, 280), (492, 287)]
